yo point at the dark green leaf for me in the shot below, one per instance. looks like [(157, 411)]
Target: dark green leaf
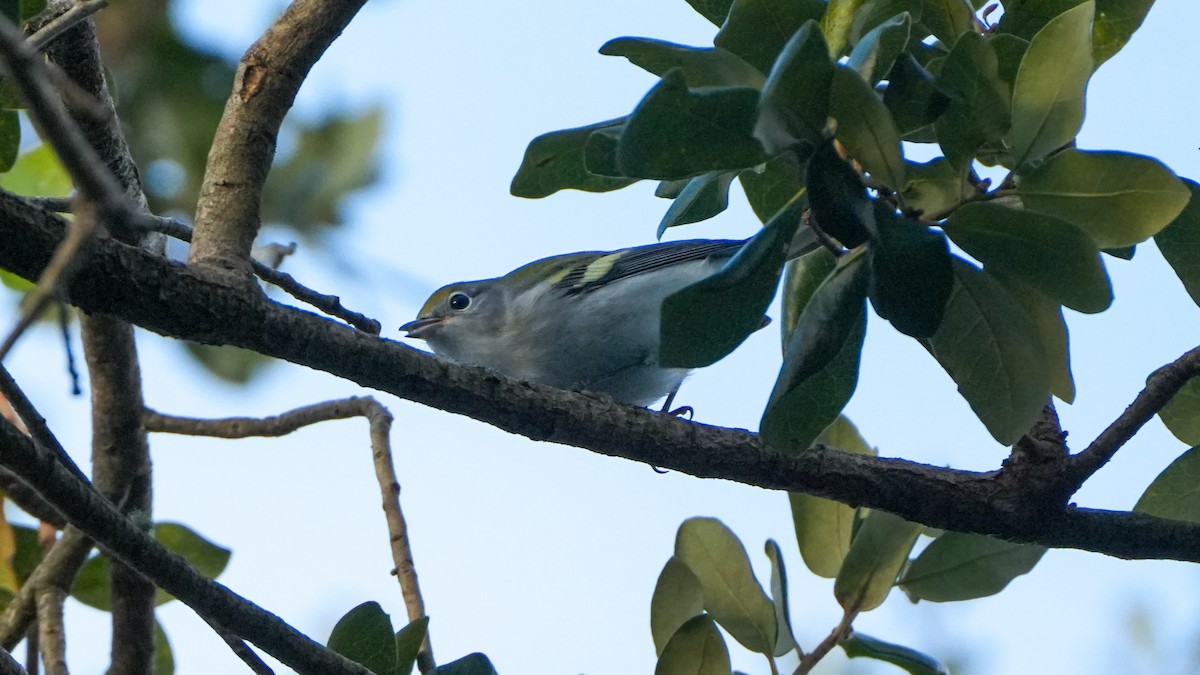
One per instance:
[(784, 642), (364, 635), (1047, 317), (880, 548), (756, 30), (911, 278), (37, 173), (705, 196), (771, 186), (1024, 19), (795, 99), (697, 648), (1048, 97), (704, 322), (408, 643), (802, 276), (949, 19), (600, 154), (1118, 198), (876, 12), (164, 660), (677, 133), (208, 558), (875, 53), (732, 596), (935, 187), (232, 364), (1122, 252), (820, 366), (670, 189), (838, 197), (713, 10), (555, 161), (912, 661), (1181, 414), (28, 552), (1009, 49), (1175, 493), (702, 67), (978, 112), (961, 566), (471, 664), (1116, 20), (991, 349), (10, 139), (1179, 243), (912, 95), (677, 598), (11, 9), (823, 526), (31, 8), (865, 128), (10, 95), (1045, 252)]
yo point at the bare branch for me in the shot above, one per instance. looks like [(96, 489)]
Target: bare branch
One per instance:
[(52, 639), (264, 88), (57, 570), (60, 24)]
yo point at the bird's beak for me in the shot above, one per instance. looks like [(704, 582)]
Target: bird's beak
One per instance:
[(417, 329)]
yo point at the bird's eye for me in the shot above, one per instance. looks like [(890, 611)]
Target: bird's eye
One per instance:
[(460, 301)]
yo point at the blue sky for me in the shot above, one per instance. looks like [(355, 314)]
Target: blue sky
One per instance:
[(544, 557)]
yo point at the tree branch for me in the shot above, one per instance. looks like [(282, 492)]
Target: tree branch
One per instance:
[(173, 300), (264, 88)]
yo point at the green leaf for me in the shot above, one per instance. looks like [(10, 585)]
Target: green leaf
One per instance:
[(784, 642), (873, 55), (823, 526), (229, 363), (697, 648), (820, 366), (1118, 198), (713, 10), (1179, 243), (37, 173), (935, 187), (1116, 21), (364, 635), (92, 587), (911, 277), (702, 67), (1181, 414), (769, 187), (677, 133), (31, 8), (962, 566), (10, 139), (838, 197), (1025, 19), (880, 548), (471, 664), (28, 553), (408, 643), (990, 347), (732, 596), (837, 22), (795, 99), (978, 112), (164, 660), (949, 19), (707, 320), (11, 9), (875, 12), (1047, 317), (801, 278), (865, 128), (677, 598), (1010, 50), (1049, 254), (1175, 493), (913, 96), (600, 152), (912, 661), (756, 30), (555, 161), (705, 196), (1048, 97)]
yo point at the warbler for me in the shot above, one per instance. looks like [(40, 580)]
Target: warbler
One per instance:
[(581, 321)]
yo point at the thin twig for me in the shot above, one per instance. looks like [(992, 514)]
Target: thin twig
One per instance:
[(835, 636), (64, 22), (380, 421), (57, 569), (1161, 386), (64, 327), (33, 421), (241, 650)]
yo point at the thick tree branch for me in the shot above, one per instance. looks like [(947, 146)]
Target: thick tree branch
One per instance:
[(171, 299), (125, 542), (264, 88)]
